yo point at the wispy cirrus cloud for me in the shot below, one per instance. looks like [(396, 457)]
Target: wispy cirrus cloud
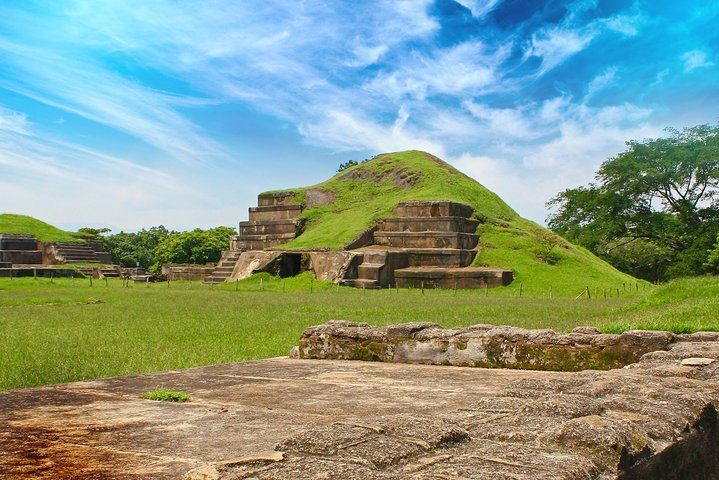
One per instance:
[(86, 89), (555, 44), (194, 81), (694, 59)]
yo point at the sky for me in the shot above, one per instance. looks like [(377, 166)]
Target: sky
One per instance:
[(133, 113)]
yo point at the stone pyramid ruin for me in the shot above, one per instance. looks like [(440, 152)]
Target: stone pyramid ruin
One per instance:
[(428, 244)]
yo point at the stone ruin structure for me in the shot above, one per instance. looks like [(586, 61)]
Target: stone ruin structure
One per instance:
[(429, 244), (23, 254)]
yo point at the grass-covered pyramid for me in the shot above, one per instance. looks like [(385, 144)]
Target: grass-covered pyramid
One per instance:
[(358, 197), (23, 224)]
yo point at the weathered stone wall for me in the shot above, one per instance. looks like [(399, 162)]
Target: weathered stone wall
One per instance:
[(483, 345), (186, 271)]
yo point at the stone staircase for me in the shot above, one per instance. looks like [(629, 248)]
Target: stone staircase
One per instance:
[(68, 252), (273, 222), (377, 268), (19, 249), (100, 272), (224, 267), (429, 244)]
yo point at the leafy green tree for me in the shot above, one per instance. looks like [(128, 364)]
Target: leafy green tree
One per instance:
[(654, 211), (346, 165), (197, 246), (93, 233), (131, 249), (712, 262)]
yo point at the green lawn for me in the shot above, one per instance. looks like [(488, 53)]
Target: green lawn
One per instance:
[(56, 332)]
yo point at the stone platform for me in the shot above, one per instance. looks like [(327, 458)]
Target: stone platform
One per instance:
[(323, 419)]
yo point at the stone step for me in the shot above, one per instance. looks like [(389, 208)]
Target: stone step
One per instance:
[(224, 269), (369, 271), (266, 241), (76, 255), (468, 277), (214, 280), (374, 256), (274, 213), (274, 199), (426, 224), (430, 208), (21, 256), (365, 283), (17, 243), (270, 227), (440, 257), (426, 239)]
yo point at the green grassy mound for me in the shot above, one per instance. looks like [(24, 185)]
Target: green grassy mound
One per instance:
[(366, 193), (11, 223)]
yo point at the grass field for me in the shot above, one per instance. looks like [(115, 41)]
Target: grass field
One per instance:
[(11, 223), (59, 332)]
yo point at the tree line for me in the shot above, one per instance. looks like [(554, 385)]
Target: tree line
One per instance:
[(653, 211), (151, 248)]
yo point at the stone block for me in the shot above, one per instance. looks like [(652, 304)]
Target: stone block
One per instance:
[(270, 227), (468, 277), (423, 224), (439, 208), (426, 240), (261, 242), (274, 213), (253, 262), (17, 242), (275, 198), (436, 257), (27, 257), (498, 347)]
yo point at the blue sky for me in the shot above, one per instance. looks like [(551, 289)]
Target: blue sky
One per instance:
[(134, 113)]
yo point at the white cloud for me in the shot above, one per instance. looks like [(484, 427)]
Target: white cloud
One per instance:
[(469, 68), (12, 121), (90, 91), (479, 8), (601, 81), (557, 43), (625, 24), (349, 130), (695, 59), (510, 122)]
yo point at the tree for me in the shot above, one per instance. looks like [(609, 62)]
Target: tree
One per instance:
[(346, 165), (197, 246), (131, 249), (656, 202), (94, 233), (712, 262)]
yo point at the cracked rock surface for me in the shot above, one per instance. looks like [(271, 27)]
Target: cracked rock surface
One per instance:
[(327, 419)]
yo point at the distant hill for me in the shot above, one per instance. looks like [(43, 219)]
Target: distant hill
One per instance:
[(341, 208), (11, 223)]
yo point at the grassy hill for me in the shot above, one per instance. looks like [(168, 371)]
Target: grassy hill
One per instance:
[(11, 223), (360, 196)]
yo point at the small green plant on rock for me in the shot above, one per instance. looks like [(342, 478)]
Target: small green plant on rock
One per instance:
[(162, 395)]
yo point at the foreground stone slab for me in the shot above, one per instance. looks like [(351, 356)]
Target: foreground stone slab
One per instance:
[(323, 419)]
